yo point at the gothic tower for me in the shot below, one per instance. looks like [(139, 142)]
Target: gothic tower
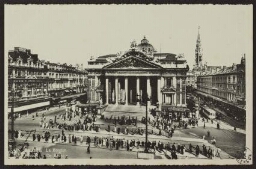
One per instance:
[(198, 51)]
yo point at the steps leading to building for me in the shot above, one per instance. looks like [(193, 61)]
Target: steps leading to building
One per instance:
[(126, 108)]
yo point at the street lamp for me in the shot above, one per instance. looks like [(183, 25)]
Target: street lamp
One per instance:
[(146, 143)]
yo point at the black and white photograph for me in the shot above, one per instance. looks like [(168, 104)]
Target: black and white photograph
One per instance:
[(128, 84)]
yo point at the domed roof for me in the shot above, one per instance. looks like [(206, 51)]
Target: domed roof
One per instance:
[(145, 44)]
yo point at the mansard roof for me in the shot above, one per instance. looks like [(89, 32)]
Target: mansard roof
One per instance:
[(23, 55)]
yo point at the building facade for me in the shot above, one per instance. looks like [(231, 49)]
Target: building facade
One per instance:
[(228, 83), (33, 82), (65, 79), (137, 76), (191, 79)]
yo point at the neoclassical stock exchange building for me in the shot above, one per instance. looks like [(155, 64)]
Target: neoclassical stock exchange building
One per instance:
[(138, 76)]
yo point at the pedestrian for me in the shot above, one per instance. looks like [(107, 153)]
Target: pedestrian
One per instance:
[(88, 149), (182, 149), (75, 140), (213, 141), (65, 138), (127, 145), (114, 129), (81, 139), (107, 143), (88, 140), (218, 152), (69, 138), (209, 153), (34, 136), (208, 133), (111, 144), (213, 153), (197, 150), (190, 148)]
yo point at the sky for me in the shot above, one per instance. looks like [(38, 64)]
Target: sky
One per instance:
[(73, 33)]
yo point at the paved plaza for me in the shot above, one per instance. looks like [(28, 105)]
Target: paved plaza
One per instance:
[(192, 135)]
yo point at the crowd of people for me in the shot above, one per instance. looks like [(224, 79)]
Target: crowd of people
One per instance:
[(73, 120), (111, 143), (121, 120)]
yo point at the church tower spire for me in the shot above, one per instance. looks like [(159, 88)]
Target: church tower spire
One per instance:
[(198, 50)]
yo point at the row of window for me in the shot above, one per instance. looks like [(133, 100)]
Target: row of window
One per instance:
[(29, 63)]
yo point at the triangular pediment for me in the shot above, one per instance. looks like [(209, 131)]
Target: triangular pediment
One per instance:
[(132, 62)]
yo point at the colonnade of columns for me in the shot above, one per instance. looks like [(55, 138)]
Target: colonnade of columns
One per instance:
[(139, 90), (146, 89), (230, 96)]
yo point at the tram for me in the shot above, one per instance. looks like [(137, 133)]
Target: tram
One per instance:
[(208, 112)]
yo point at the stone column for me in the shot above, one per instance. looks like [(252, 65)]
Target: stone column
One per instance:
[(116, 90), (159, 98), (148, 92), (25, 89), (138, 90), (106, 90), (148, 88), (32, 91), (13, 73), (161, 94), (119, 91), (174, 82), (126, 90), (96, 81), (96, 85), (175, 86), (68, 83), (180, 91)]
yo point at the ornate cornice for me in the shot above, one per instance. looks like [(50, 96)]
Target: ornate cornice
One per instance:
[(131, 60)]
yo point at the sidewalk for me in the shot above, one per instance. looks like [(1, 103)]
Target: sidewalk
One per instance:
[(44, 111), (223, 125)]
